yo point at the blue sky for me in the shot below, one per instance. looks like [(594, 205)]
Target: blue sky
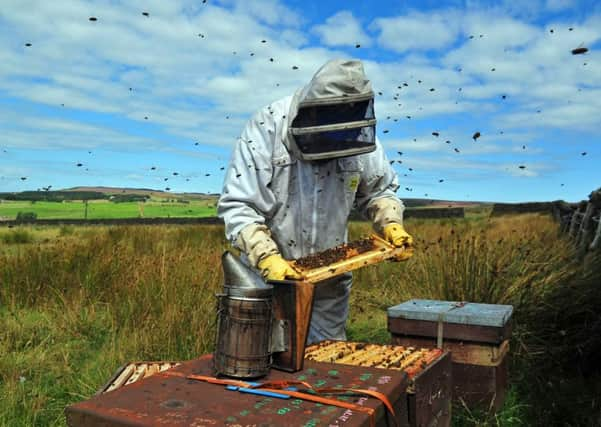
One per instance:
[(197, 71)]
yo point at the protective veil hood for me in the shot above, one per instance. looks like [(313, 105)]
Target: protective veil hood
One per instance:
[(333, 115)]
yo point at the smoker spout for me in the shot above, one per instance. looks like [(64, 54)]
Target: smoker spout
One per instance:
[(240, 280)]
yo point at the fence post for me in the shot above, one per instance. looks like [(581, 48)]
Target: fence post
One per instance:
[(564, 224), (574, 222), (596, 243), (583, 231)]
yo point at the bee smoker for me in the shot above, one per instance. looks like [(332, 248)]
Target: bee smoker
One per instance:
[(259, 325), (244, 322)]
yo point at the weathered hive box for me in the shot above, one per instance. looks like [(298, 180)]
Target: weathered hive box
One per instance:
[(428, 370), (135, 371), (477, 335), (172, 397)]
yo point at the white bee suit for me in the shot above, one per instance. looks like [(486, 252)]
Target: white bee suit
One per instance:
[(274, 202)]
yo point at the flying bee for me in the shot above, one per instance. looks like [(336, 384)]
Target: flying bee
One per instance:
[(579, 50)]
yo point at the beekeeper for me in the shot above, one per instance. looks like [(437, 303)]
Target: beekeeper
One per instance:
[(297, 170)]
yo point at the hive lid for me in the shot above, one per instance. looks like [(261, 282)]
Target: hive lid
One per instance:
[(465, 313)]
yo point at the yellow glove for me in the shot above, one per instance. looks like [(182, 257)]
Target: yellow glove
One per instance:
[(274, 267), (396, 234)]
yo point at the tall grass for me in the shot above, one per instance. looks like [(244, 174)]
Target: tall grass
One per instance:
[(77, 303), (74, 310), (16, 236), (514, 260)]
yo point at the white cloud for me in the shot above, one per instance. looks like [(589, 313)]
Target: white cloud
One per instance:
[(584, 116), (188, 84), (418, 30), (486, 145), (30, 131), (91, 66), (447, 167), (271, 12), (342, 29)]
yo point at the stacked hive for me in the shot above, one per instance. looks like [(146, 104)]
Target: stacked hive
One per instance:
[(477, 335)]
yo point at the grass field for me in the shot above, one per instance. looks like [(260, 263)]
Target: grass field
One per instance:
[(77, 302), (155, 208), (100, 209)]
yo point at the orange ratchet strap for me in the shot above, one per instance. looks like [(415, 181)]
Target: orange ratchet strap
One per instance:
[(278, 386)]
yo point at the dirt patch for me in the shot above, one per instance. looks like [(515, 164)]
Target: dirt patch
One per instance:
[(335, 254)]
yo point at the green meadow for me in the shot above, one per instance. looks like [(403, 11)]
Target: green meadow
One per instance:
[(101, 209)]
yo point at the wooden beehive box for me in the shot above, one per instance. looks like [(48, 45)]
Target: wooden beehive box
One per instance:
[(477, 335), (133, 372), (174, 397), (429, 372)]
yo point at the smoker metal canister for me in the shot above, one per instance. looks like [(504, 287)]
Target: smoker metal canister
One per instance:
[(245, 317)]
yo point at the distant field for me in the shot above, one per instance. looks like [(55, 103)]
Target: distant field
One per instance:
[(105, 209), (101, 209)]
